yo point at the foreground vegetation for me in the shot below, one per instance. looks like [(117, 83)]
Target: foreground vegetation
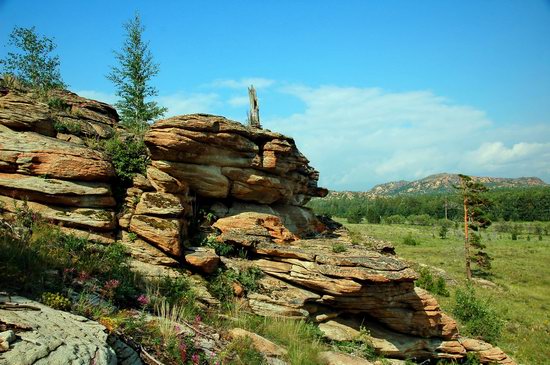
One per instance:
[(518, 293)]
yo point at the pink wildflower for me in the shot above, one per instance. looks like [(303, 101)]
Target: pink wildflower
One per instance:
[(143, 300)]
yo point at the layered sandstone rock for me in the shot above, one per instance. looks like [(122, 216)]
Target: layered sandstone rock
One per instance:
[(344, 291), (157, 210), (219, 158), (64, 182), (61, 112)]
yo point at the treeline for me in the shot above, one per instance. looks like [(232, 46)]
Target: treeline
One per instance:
[(517, 204)]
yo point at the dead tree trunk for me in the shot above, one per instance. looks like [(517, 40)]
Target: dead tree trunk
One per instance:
[(254, 113)]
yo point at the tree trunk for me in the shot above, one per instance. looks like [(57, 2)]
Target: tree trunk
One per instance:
[(254, 113), (467, 242)]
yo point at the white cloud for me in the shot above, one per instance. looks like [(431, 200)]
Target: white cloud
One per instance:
[(180, 103), (98, 95), (358, 137), (238, 101), (519, 159), (243, 83)]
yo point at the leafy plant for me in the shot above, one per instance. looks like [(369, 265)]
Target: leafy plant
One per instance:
[(339, 248), (67, 127), (221, 286), (409, 240), (478, 317), (56, 301), (56, 103), (435, 285), (129, 156)]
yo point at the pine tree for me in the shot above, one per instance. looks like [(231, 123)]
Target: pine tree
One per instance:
[(132, 77), (475, 219), (33, 65)]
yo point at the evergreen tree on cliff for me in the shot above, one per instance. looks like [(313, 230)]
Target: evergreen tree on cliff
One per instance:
[(33, 65), (475, 219), (132, 78)]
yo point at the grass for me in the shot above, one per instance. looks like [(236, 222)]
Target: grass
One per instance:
[(520, 271), (302, 339)]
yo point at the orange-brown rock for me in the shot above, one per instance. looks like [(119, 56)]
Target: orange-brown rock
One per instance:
[(260, 343), (33, 154), (164, 233), (61, 111), (55, 191), (248, 164), (202, 259), (161, 204), (251, 228)]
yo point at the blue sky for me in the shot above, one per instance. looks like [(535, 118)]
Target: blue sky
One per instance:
[(372, 91)]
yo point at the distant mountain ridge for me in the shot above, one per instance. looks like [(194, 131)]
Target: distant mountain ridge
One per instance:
[(439, 183)]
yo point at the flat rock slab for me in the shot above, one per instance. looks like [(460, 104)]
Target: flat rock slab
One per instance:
[(338, 358), (55, 338), (261, 344)]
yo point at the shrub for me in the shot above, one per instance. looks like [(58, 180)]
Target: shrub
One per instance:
[(395, 219), (56, 301), (128, 155), (435, 285), (67, 127), (221, 286), (339, 248), (56, 103), (221, 248), (173, 291), (478, 317), (409, 240), (420, 219), (443, 230), (355, 216)]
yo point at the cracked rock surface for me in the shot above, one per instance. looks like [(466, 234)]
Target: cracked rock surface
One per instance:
[(51, 337)]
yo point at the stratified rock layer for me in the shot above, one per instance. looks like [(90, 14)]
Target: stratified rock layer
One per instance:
[(219, 158), (307, 278)]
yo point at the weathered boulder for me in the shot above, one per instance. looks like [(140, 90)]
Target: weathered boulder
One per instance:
[(202, 259), (260, 343), (164, 233)]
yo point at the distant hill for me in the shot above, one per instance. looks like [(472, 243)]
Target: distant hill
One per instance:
[(439, 183)]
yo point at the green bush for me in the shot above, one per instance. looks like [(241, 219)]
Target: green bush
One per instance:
[(67, 127), (339, 248), (128, 155), (221, 286), (478, 317), (56, 301), (395, 219), (409, 240), (435, 285), (56, 103)]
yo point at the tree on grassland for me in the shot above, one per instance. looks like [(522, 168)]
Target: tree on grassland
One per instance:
[(33, 65), (475, 219), (132, 78)]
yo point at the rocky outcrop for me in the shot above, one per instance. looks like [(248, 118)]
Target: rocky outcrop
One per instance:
[(62, 114), (219, 158), (157, 210), (343, 290), (48, 336), (64, 182)]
